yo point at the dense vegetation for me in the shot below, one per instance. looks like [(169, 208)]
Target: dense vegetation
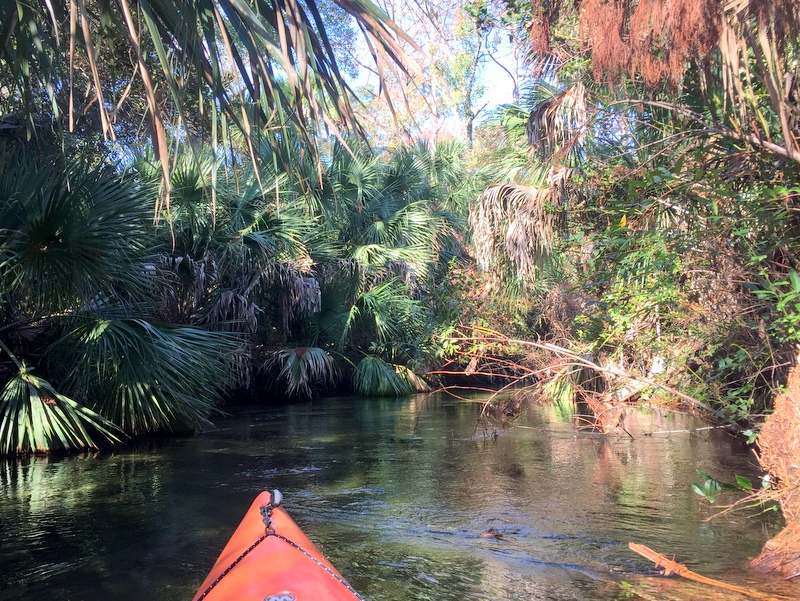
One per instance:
[(193, 209), (112, 321)]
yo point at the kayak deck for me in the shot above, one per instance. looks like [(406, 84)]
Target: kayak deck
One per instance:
[(272, 563)]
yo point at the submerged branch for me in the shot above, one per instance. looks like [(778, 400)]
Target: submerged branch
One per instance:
[(685, 431)]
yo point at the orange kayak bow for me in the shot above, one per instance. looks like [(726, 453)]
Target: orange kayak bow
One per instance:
[(269, 558)]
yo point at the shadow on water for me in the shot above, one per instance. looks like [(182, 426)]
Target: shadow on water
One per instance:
[(406, 497)]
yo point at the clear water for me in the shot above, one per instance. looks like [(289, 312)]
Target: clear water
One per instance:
[(400, 495)]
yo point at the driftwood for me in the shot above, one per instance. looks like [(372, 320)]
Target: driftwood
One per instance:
[(673, 567)]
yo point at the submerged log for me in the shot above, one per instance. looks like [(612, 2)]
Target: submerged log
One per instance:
[(673, 567)]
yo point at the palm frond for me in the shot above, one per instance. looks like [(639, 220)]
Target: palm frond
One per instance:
[(387, 308), (517, 224), (35, 418), (374, 377), (147, 377), (557, 124), (416, 383), (209, 57), (69, 234), (304, 369)]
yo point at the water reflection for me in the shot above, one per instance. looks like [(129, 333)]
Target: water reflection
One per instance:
[(408, 498)]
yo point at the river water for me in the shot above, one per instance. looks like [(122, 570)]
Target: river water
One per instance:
[(403, 496)]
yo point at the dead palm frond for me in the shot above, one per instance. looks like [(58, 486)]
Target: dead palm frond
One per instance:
[(743, 52), (517, 224), (300, 295), (557, 124)]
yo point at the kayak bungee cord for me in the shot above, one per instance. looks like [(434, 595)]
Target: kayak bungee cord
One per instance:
[(233, 565), (266, 513)]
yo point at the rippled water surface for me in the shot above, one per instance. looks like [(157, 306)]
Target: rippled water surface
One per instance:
[(403, 497)]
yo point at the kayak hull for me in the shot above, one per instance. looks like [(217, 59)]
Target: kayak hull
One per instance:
[(281, 564)]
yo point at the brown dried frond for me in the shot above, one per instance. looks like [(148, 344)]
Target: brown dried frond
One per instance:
[(694, 26), (233, 308), (561, 306), (655, 39), (781, 16), (648, 44), (652, 69), (559, 122), (300, 295), (781, 554), (516, 222), (543, 18)]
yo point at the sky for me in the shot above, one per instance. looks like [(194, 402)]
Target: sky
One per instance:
[(493, 78), (499, 87)]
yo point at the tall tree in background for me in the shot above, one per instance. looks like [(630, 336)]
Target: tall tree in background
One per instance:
[(443, 99)]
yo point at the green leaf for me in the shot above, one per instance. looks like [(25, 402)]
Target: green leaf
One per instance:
[(147, 377), (304, 368), (794, 278), (374, 377), (36, 418)]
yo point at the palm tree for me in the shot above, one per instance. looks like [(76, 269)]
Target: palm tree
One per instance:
[(378, 229), (82, 353), (518, 219)]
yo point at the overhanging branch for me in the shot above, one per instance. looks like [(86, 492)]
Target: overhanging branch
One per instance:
[(787, 152)]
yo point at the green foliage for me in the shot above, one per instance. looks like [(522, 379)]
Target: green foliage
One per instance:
[(560, 390), (784, 296), (340, 257), (36, 418), (198, 55), (709, 489), (69, 234), (145, 376), (387, 309), (304, 369), (415, 382), (81, 288), (674, 249), (375, 377)]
